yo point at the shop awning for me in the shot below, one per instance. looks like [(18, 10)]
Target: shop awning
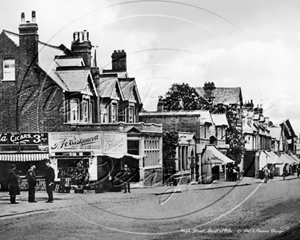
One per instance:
[(215, 156), (121, 155), (296, 158), (286, 159), (23, 157), (273, 158)]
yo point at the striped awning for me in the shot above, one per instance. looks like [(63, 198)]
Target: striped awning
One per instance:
[(23, 157)]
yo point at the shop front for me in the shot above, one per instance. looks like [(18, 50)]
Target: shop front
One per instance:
[(88, 160), (23, 149), (214, 164)]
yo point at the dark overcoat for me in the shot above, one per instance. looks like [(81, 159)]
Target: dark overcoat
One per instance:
[(13, 183)]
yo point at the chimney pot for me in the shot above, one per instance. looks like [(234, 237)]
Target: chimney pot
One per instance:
[(22, 17), (33, 16)]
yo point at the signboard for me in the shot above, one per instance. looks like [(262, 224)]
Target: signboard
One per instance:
[(75, 142), (24, 138), (114, 143)]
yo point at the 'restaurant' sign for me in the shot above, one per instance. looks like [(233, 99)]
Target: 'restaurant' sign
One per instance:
[(24, 138), (75, 141), (115, 143)]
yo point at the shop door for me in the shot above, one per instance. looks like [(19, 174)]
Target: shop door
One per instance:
[(133, 164)]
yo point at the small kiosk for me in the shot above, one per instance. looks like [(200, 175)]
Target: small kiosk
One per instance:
[(87, 160)]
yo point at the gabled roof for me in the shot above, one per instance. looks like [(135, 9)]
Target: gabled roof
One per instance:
[(219, 119), (66, 61), (12, 36), (77, 79), (109, 87), (224, 95), (46, 56), (130, 90), (275, 132)]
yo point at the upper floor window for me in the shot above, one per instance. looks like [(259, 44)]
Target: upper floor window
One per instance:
[(85, 111), (113, 113), (73, 112), (9, 72), (122, 115), (131, 114)]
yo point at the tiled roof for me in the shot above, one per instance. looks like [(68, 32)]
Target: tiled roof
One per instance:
[(129, 87), (46, 56), (108, 87), (275, 132), (224, 95), (69, 61), (75, 80), (13, 36), (219, 119)]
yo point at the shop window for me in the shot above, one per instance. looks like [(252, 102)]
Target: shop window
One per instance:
[(9, 71)]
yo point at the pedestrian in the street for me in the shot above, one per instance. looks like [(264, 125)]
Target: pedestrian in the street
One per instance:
[(266, 174), (49, 178), (126, 176), (284, 171), (298, 170), (31, 179), (13, 184)]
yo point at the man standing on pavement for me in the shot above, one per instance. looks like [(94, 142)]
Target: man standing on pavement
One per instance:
[(31, 179), (127, 173), (13, 184), (49, 178)]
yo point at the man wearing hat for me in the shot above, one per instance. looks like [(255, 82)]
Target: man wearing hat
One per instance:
[(31, 179), (13, 184), (49, 178)]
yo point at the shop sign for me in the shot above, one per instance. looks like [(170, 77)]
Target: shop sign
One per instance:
[(115, 143), (74, 141), (24, 138)]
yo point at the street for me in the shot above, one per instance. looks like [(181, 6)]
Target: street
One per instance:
[(249, 210)]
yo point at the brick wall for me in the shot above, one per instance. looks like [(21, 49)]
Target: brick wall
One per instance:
[(8, 50), (177, 123)]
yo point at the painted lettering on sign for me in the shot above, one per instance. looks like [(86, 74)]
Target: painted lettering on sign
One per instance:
[(75, 142), (24, 138)]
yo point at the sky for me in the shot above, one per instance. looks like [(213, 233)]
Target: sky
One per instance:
[(253, 44)]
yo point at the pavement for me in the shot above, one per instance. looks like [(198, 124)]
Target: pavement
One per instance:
[(73, 200)]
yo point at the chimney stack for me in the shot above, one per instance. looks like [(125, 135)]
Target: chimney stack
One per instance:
[(119, 62), (81, 46), (160, 104), (28, 41)]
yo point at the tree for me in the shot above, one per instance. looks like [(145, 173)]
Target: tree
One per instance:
[(170, 143), (181, 97)]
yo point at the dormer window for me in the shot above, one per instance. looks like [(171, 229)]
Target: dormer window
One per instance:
[(113, 113), (131, 114), (9, 72)]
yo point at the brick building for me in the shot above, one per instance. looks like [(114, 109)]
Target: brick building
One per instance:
[(62, 94), (200, 127)]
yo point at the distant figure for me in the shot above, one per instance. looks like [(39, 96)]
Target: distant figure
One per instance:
[(31, 179), (126, 175), (13, 184), (234, 174), (266, 174), (298, 170), (49, 178), (284, 171)]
